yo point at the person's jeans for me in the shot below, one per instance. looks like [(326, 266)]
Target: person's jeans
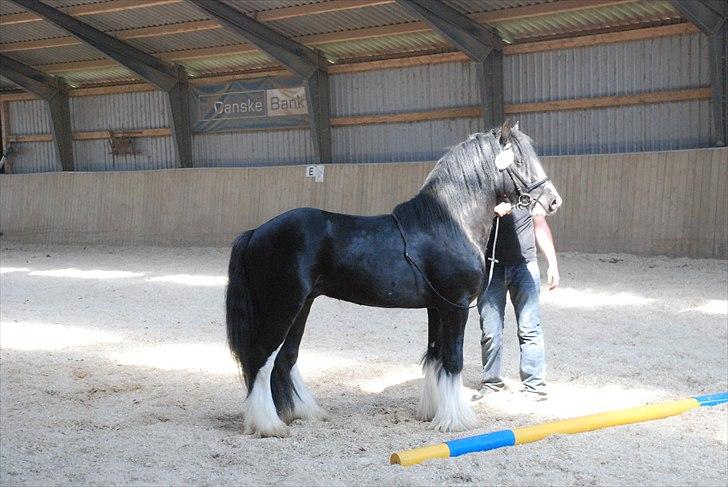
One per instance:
[(523, 282)]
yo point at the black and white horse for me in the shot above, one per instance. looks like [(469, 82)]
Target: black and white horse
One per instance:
[(279, 268)]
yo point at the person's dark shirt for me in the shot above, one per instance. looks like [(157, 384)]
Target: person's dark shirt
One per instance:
[(516, 242)]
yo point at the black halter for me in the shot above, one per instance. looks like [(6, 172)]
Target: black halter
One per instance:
[(525, 200)]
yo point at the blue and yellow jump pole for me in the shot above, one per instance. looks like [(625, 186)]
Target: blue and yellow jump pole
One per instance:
[(520, 436)]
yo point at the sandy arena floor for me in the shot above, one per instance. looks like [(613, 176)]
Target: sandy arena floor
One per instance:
[(114, 371)]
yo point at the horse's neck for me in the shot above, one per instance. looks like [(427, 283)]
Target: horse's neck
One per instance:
[(476, 224), (427, 208)]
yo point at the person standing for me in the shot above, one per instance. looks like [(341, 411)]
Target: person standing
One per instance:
[(516, 273)]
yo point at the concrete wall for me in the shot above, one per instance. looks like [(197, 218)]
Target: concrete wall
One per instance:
[(670, 203), (652, 203)]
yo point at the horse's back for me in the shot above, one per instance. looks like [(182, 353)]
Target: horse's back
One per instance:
[(306, 235), (334, 254), (306, 252), (297, 223), (312, 228)]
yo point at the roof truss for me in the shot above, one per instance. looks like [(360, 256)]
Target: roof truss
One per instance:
[(55, 92), (307, 63), (480, 44), (170, 78)]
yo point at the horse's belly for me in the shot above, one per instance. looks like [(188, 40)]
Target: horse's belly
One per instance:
[(376, 297), (387, 285)]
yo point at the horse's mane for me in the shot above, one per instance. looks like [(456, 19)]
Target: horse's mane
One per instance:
[(525, 154), (463, 176)]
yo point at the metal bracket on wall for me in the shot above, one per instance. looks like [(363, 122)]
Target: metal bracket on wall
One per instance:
[(120, 144)]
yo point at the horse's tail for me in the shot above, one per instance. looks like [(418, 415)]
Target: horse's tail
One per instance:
[(240, 310)]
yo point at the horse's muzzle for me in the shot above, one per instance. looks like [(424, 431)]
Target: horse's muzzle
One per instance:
[(555, 204)]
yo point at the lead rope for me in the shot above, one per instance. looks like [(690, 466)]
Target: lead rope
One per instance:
[(492, 259), (411, 261)]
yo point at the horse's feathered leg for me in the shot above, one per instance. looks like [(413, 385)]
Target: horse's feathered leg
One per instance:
[(293, 399), (453, 410), (270, 396), (270, 392), (261, 416), (256, 356), (431, 365)]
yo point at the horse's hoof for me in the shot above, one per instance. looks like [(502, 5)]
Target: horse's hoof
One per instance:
[(310, 411), (465, 421), (453, 427), (320, 414), (272, 427), (277, 432), (424, 416)]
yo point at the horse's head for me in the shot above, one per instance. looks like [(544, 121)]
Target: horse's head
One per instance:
[(525, 180)]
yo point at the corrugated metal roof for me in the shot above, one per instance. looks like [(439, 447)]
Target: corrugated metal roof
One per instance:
[(6, 84), (8, 8), (610, 16), (381, 46), (251, 6), (71, 3), (116, 74), (164, 14), (38, 57), (226, 64), (183, 41), (29, 31), (472, 7), (375, 16)]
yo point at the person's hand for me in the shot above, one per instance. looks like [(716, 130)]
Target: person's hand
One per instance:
[(502, 209), (553, 278)]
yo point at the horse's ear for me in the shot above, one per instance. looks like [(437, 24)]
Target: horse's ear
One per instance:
[(505, 132), (515, 126)]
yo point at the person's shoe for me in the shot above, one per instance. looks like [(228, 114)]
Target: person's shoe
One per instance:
[(537, 394), (488, 388)]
